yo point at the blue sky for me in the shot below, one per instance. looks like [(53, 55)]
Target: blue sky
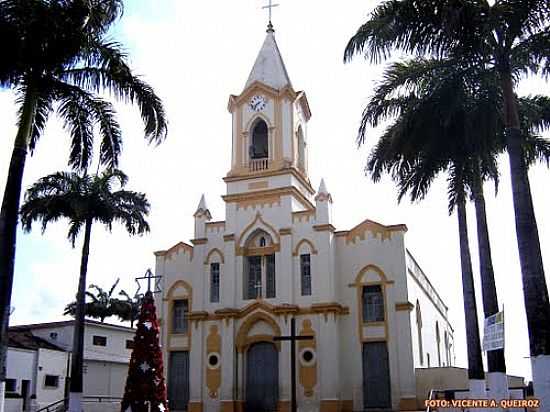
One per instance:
[(195, 54)]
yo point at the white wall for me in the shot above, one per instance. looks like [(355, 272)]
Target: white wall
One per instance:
[(104, 378), (51, 362)]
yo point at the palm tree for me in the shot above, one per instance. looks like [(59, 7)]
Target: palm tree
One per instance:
[(431, 102), (513, 38), (101, 306), (56, 55), (84, 200), (127, 310)]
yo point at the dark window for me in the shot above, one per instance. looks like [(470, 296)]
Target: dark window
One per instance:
[(99, 340), (179, 324), (259, 149), (130, 344), (307, 356), (305, 274), (213, 360), (214, 282), (53, 335), (253, 277), (373, 304), (270, 276), (51, 381), (11, 385)]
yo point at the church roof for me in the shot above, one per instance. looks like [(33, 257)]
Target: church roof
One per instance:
[(269, 67)]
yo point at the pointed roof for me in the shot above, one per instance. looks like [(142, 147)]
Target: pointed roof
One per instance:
[(202, 209), (323, 194), (269, 67)]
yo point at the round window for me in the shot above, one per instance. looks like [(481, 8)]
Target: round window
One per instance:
[(213, 360), (307, 357)]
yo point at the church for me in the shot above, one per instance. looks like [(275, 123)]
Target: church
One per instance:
[(371, 312)]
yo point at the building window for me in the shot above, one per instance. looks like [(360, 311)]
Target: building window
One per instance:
[(129, 344), (259, 277), (53, 335), (270, 276), (51, 381), (11, 385), (419, 332), (214, 282), (438, 343), (259, 146), (99, 340), (305, 274), (373, 304), (179, 316)]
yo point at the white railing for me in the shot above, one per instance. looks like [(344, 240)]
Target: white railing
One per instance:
[(256, 165)]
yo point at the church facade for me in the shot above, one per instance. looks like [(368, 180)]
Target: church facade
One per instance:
[(372, 313)]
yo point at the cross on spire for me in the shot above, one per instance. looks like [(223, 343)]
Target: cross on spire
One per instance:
[(270, 7)]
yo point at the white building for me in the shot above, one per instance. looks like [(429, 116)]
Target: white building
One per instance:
[(373, 313), (36, 372), (107, 351)]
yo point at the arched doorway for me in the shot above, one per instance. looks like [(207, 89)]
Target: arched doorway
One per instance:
[(262, 377)]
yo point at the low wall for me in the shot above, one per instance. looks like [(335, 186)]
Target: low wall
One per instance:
[(101, 406)]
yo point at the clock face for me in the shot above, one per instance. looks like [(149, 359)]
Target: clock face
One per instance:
[(258, 103)]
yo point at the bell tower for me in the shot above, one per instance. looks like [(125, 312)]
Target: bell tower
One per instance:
[(269, 133)]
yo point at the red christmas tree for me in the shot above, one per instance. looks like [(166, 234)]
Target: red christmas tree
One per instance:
[(145, 389)]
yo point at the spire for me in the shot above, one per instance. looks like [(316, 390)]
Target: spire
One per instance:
[(323, 194), (269, 67), (202, 209)]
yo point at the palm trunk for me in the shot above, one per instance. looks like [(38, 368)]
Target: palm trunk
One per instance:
[(8, 224), (475, 362), (75, 395), (496, 365), (535, 290)]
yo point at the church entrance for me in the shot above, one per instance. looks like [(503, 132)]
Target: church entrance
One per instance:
[(178, 381), (376, 376), (262, 377)]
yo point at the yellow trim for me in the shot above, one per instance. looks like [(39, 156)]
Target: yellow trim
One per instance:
[(213, 376), (307, 241), (408, 404), (283, 406), (249, 230), (271, 195), (170, 298), (194, 406), (249, 175), (263, 184), (359, 284), (308, 374), (406, 306), (347, 406), (176, 248), (329, 405), (285, 231), (243, 341), (324, 228), (375, 228), (215, 250), (199, 241), (229, 238)]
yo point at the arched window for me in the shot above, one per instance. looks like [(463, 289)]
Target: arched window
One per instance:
[(437, 342), (259, 142), (301, 149), (259, 267), (419, 331)]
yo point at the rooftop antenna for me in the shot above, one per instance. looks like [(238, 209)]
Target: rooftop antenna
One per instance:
[(270, 6)]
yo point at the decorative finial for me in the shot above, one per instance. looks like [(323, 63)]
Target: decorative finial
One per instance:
[(270, 6)]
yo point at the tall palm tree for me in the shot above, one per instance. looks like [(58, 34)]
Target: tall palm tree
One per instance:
[(513, 38), (56, 54), (102, 304), (84, 200), (451, 118)]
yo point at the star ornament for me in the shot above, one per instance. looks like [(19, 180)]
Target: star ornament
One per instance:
[(144, 367), (161, 408), (148, 325)]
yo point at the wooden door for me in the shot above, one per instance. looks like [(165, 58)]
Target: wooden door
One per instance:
[(262, 377), (178, 381)]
